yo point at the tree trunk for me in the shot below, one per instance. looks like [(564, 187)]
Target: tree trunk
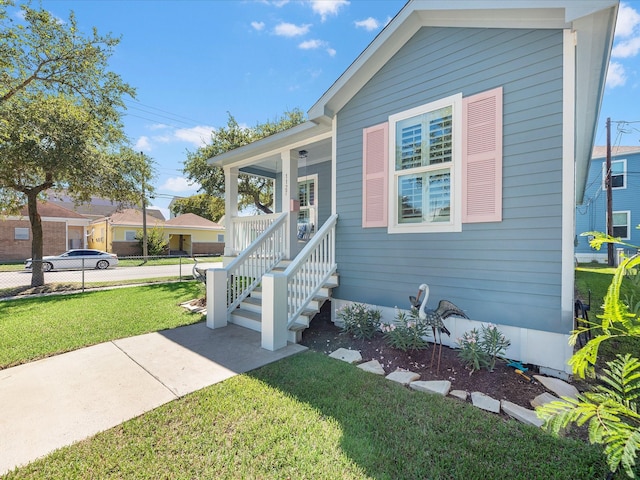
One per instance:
[(37, 276)]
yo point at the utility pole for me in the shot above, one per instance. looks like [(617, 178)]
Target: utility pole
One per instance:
[(610, 259), (144, 218)]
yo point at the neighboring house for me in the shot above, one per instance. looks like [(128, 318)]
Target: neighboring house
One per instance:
[(591, 214), (62, 229), (451, 152), (187, 234), (191, 234)]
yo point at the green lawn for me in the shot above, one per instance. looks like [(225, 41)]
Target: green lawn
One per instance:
[(33, 328), (312, 417), (307, 416)]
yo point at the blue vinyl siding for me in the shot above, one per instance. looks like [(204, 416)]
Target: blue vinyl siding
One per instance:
[(507, 272), (591, 215)]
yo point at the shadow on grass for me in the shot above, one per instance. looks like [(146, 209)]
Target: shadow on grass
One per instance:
[(391, 431)]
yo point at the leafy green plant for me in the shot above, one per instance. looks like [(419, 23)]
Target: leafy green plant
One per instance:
[(481, 349), (359, 320), (471, 352), (156, 241), (407, 332), (494, 344), (611, 409)]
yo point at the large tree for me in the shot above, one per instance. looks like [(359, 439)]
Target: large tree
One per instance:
[(60, 118), (253, 191), (203, 205)]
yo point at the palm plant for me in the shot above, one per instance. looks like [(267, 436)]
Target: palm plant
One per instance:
[(611, 410)]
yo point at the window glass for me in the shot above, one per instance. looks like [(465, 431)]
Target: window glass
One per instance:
[(424, 197), (21, 233), (621, 224), (424, 140), (130, 235)]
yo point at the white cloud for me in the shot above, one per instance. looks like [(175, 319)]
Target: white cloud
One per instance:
[(312, 44), (628, 21), (626, 49), (331, 52), (616, 75), (198, 136), (159, 126), (257, 26), (178, 184), (285, 29), (143, 144), (325, 8), (368, 24)]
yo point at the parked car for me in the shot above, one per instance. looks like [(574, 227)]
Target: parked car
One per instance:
[(85, 258)]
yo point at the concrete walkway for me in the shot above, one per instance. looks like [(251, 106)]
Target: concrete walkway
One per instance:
[(50, 403)]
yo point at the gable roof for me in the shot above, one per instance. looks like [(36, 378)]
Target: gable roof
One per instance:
[(49, 210), (192, 220), (601, 151), (131, 217), (593, 21)]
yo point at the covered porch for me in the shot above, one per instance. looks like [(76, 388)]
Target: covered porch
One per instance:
[(279, 267)]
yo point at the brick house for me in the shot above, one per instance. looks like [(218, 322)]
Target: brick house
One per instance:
[(62, 230)]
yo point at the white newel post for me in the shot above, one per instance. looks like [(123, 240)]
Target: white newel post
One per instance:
[(289, 194), (274, 311), (216, 297), (230, 208)]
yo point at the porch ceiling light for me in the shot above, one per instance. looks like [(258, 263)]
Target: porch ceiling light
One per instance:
[(302, 154)]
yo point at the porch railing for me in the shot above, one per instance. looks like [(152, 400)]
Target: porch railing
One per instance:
[(311, 269), (246, 229), (245, 272)]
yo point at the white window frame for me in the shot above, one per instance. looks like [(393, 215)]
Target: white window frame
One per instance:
[(127, 234), (624, 174), (313, 209), (21, 233), (455, 210), (628, 214)]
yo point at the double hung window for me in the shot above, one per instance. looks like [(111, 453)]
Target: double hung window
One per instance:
[(425, 166)]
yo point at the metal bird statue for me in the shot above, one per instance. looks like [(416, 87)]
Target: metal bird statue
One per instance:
[(435, 318)]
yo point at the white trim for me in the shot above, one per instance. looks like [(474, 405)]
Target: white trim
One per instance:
[(628, 213), (455, 222), (15, 233), (313, 208), (334, 164), (568, 179), (624, 173)]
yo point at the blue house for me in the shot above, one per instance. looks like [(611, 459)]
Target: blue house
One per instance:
[(451, 152), (591, 215)]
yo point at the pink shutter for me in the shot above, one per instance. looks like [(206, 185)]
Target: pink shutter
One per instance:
[(482, 157), (375, 156)]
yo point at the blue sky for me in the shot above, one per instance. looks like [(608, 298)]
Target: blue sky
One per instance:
[(194, 61)]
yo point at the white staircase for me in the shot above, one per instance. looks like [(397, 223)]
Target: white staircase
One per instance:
[(249, 313)]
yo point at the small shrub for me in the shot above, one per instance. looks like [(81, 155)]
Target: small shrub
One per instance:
[(359, 320), (494, 343), (480, 349), (407, 333), (471, 352)]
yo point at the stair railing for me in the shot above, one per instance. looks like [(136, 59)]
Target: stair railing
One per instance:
[(311, 269), (245, 230), (245, 272)]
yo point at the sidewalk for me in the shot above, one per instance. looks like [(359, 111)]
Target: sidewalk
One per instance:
[(60, 400)]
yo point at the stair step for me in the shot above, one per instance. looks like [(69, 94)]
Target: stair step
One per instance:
[(247, 319)]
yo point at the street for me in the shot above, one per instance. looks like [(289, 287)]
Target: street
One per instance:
[(23, 278)]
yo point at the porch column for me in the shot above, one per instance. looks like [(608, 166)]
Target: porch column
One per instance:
[(289, 192), (230, 207)]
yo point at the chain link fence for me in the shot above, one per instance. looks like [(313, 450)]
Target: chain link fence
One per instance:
[(78, 274)]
